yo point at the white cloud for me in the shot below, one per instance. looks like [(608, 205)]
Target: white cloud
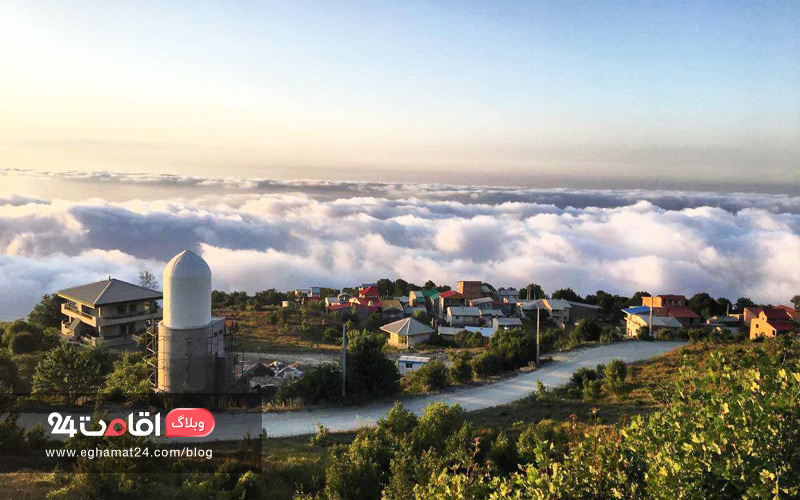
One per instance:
[(285, 240)]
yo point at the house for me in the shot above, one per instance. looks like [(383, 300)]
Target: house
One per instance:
[(506, 323), (470, 289), (369, 292), (579, 311), (417, 298), (485, 303), (487, 315), (749, 314), (639, 316), (450, 298), (507, 295), (461, 316), (391, 309), (330, 301), (408, 364), (371, 305), (530, 308), (407, 332), (674, 306), (486, 291), (774, 321), (558, 309), (108, 311), (728, 324)]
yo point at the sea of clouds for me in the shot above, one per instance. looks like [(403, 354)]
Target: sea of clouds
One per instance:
[(259, 234)]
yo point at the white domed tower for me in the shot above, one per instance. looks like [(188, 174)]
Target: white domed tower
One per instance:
[(187, 291), (192, 356)]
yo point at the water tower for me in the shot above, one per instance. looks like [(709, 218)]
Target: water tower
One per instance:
[(192, 355)]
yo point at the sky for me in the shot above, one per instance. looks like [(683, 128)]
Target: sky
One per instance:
[(551, 94)]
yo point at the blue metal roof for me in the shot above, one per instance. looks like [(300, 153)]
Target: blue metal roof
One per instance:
[(637, 310)]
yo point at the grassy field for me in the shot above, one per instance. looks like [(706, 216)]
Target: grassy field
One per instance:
[(272, 330)]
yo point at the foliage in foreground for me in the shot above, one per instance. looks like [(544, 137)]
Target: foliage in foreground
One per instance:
[(731, 433)]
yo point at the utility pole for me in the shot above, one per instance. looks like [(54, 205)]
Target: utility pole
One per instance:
[(537, 336), (651, 316), (344, 356)]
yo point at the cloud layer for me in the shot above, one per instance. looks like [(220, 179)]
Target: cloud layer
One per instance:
[(302, 235)]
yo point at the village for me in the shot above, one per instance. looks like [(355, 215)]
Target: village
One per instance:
[(426, 323)]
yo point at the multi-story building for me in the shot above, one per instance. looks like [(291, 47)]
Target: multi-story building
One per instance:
[(109, 311), (470, 289)]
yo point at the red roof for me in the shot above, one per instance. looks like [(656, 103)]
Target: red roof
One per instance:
[(777, 313), (781, 326), (370, 291), (337, 307), (365, 301), (681, 312), (754, 310), (671, 296), (451, 294)]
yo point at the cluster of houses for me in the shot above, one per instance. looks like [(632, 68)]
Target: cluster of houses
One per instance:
[(670, 312), (472, 306)]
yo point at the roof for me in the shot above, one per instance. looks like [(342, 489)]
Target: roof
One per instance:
[(776, 313), (527, 305), (782, 326), (413, 359), (637, 310), (507, 321), (681, 312), (662, 321), (672, 296), (391, 304), (583, 304), (407, 327), (754, 310), (491, 312), (337, 307), (451, 294), (370, 291), (482, 300), (463, 311), (110, 291), (428, 292), (486, 331), (450, 330), (557, 304)]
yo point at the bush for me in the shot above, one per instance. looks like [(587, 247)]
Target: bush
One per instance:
[(515, 347), (486, 364), (503, 453), (582, 374), (644, 333), (614, 375), (466, 338), (460, 371), (609, 334), (430, 377), (586, 330), (320, 384), (333, 335), (70, 371), (128, 381)]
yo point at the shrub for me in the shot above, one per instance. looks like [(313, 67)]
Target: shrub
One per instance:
[(486, 364), (515, 347), (582, 374), (614, 375), (70, 371), (320, 384), (332, 335), (430, 377), (466, 338), (503, 453), (586, 330), (460, 371)]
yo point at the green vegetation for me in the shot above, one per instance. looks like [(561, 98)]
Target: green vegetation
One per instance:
[(70, 371)]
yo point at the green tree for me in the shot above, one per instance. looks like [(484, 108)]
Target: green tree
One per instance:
[(47, 313), (370, 373), (535, 290), (515, 346), (614, 375), (430, 377), (460, 371), (486, 364), (69, 371), (587, 330), (567, 294), (796, 301), (128, 381), (704, 305)]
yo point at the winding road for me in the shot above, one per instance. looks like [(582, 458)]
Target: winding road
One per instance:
[(231, 426)]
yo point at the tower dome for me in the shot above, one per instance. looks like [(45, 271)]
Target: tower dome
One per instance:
[(187, 292)]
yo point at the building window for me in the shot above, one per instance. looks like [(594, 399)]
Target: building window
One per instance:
[(409, 365), (132, 308), (120, 309)]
